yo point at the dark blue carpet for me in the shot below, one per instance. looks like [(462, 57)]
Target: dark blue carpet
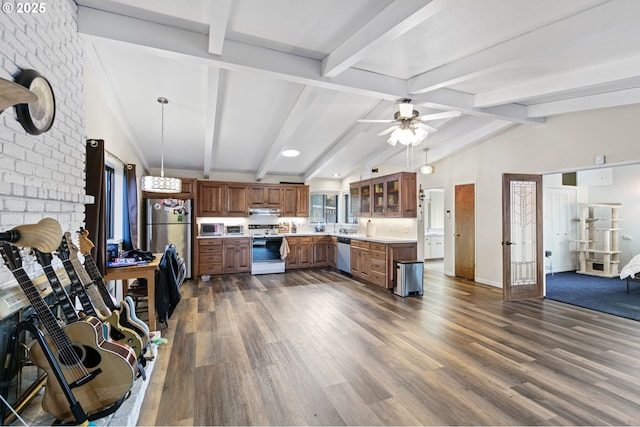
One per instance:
[(596, 293)]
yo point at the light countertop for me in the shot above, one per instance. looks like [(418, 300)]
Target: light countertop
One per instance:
[(376, 239)]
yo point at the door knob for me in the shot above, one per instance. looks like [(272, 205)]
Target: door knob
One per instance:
[(456, 235), (508, 243)]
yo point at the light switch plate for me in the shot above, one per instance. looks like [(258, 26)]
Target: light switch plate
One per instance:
[(599, 159)]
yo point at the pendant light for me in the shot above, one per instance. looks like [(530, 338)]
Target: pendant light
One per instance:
[(161, 184), (426, 169)]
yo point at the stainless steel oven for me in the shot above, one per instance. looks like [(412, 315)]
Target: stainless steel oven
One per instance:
[(265, 255)]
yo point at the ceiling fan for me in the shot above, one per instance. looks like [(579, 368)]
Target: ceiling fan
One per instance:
[(408, 127)]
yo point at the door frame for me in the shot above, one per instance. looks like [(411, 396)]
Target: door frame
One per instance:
[(529, 291)]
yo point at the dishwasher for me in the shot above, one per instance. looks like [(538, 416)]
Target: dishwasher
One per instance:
[(344, 254)]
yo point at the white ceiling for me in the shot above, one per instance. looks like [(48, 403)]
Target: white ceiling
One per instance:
[(247, 79)]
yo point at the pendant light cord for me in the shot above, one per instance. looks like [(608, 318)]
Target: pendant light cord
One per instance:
[(162, 101)]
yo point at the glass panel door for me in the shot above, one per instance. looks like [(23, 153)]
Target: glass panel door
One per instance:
[(378, 198), (522, 236), (393, 196), (365, 199)]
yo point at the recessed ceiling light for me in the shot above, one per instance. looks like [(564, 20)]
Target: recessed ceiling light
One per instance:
[(291, 153), (336, 175)]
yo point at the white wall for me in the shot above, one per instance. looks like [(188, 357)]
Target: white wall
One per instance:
[(565, 142), (625, 189), (44, 175)]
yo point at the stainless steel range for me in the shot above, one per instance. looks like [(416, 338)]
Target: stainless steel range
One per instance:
[(265, 249)]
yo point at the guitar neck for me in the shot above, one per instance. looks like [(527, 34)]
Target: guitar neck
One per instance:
[(96, 277), (53, 328), (69, 312), (78, 288)]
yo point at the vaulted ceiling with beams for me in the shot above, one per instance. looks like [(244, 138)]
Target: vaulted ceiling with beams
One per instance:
[(247, 79)]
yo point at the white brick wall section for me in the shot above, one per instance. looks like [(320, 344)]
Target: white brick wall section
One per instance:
[(43, 176)]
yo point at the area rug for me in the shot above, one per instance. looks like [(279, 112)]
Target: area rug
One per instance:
[(596, 293)]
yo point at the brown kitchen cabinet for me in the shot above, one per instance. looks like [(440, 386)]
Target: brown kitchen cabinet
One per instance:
[(378, 264), (300, 252), (393, 196), (332, 255), (265, 196), (210, 201), (320, 248), (360, 261), (209, 257), (236, 199), (236, 255), (374, 262), (295, 201)]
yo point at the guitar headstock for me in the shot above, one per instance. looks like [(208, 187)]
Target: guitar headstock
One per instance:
[(64, 250), (73, 249), (11, 256), (44, 258), (83, 240)]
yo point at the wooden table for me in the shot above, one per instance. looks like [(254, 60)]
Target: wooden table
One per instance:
[(145, 271)]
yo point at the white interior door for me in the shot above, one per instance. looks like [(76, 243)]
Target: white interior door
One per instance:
[(560, 227)]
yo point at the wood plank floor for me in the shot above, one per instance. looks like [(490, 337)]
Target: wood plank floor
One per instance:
[(315, 347)]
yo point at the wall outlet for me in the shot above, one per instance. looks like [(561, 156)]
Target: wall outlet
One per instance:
[(626, 237)]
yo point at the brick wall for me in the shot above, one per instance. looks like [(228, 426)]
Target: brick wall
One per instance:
[(43, 175)]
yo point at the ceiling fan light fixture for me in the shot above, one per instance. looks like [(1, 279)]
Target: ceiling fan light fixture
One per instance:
[(161, 184), (410, 135), (406, 109)]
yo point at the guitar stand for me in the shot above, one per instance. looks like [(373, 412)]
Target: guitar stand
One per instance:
[(29, 325)]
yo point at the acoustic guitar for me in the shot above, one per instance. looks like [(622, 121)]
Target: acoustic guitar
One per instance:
[(98, 375), (126, 309), (91, 301)]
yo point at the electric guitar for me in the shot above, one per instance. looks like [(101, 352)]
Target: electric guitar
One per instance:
[(91, 301), (95, 370), (69, 312), (126, 309)]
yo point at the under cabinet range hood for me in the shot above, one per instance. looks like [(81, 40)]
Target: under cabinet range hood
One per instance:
[(264, 211)]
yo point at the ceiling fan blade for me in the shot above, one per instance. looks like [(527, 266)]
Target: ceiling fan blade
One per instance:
[(388, 130), (375, 121), (426, 127), (443, 115)]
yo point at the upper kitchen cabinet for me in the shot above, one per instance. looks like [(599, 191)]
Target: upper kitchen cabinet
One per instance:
[(393, 196), (188, 191), (236, 199), (265, 196), (210, 199), (401, 195), (295, 200)]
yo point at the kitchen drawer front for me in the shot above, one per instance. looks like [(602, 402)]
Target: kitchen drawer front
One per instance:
[(203, 243), (237, 241), (375, 246), (210, 257), (378, 265), (211, 268), (382, 256), (208, 249), (360, 244), (378, 278)]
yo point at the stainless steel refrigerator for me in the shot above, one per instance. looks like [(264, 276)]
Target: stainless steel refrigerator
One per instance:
[(169, 221)]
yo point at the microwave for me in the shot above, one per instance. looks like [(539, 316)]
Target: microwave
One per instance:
[(212, 229)]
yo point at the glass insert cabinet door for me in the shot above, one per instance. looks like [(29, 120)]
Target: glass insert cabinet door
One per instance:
[(378, 198), (393, 196), (522, 236), (365, 199)]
